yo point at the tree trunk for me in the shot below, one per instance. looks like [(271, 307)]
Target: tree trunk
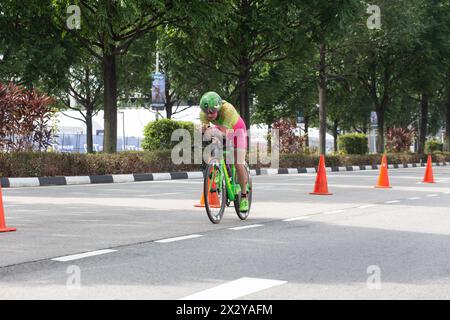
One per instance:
[(89, 139), (89, 111), (245, 12), (423, 124), (335, 135), (110, 103), (447, 123), (244, 102), (380, 140), (306, 132), (322, 100), (169, 104)]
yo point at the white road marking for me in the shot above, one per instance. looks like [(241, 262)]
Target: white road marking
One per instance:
[(366, 206), (393, 201), (296, 218), (235, 289), (65, 235), (192, 236), (83, 255), (414, 198), (156, 194), (333, 212), (247, 227), (432, 195)]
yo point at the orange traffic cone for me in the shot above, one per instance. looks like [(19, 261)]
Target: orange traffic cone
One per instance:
[(321, 186), (429, 177), (202, 202), (3, 227), (213, 200), (383, 179)]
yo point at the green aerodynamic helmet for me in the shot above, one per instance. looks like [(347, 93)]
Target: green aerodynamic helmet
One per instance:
[(210, 101)]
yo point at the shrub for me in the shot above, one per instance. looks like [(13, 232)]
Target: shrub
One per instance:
[(157, 134), (289, 140), (353, 143), (433, 145), (399, 139), (24, 119)]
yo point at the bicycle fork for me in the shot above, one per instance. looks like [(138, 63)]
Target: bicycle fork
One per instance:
[(232, 188)]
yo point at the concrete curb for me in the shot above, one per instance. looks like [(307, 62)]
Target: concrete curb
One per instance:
[(139, 177)]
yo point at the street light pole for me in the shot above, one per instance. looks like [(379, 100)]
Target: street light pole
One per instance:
[(157, 71), (123, 130)]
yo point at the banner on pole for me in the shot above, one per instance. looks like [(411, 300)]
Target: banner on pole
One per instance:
[(373, 119), (158, 91)]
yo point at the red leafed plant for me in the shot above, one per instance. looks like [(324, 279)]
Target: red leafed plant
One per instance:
[(399, 139), (290, 141), (24, 119)]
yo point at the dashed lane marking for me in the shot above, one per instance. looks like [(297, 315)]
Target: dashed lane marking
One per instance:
[(235, 289)]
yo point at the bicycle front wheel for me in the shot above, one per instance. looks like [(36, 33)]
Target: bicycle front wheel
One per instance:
[(214, 192)]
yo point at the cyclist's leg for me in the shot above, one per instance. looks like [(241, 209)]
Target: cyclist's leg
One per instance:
[(240, 148), (240, 169)]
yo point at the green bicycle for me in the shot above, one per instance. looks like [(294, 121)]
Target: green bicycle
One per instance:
[(221, 187)]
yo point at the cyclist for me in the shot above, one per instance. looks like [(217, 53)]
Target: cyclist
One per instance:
[(225, 117)]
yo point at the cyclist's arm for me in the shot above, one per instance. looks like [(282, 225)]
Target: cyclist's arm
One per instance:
[(204, 121), (206, 124)]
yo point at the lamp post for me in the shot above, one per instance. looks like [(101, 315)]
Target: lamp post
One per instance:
[(157, 71), (123, 129)]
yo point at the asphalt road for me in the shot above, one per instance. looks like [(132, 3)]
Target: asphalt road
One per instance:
[(359, 243)]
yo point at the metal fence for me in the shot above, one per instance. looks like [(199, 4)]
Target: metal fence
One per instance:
[(77, 143)]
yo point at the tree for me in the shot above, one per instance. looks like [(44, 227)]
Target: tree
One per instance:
[(429, 67), (108, 30), (238, 35), (32, 51), (285, 90), (326, 24), (447, 115), (85, 87), (340, 111), (382, 58), (186, 81)]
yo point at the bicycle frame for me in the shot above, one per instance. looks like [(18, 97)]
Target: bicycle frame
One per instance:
[(230, 182), (232, 187)]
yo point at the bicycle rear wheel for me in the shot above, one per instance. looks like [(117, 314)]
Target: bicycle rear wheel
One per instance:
[(244, 215), (214, 192)]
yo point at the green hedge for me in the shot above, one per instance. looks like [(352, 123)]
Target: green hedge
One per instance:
[(353, 143), (74, 164), (157, 134)]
